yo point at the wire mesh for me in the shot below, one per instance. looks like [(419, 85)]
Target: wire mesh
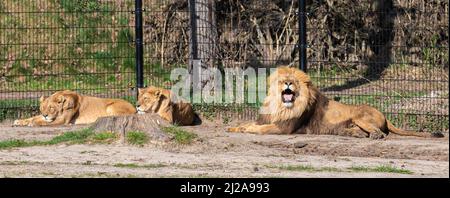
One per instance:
[(46, 46), (392, 55)]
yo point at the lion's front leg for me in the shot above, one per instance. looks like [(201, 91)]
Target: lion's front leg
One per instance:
[(239, 129), (23, 122), (257, 129), (28, 121), (42, 122), (168, 115)]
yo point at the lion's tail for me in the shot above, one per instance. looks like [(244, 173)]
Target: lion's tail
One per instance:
[(398, 131)]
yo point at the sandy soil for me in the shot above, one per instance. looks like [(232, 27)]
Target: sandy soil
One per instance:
[(216, 153)]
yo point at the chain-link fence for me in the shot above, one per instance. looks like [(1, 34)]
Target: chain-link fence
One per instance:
[(47, 45), (392, 55)]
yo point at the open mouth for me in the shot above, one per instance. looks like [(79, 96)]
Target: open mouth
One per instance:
[(287, 96)]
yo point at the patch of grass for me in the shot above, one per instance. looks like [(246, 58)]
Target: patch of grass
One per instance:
[(104, 136), (137, 138), (330, 169), (181, 136), (226, 119), (73, 137), (382, 168), (17, 162), (298, 168), (13, 143), (132, 165), (307, 168), (15, 103)]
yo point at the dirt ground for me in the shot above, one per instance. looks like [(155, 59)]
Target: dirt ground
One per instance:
[(216, 153)]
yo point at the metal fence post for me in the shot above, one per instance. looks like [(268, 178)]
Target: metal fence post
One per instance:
[(302, 34), (193, 27), (194, 62), (139, 46)]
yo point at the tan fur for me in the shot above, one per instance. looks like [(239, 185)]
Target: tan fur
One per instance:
[(68, 107), (313, 113), (164, 103)]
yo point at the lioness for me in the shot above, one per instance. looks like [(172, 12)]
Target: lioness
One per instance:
[(68, 107), (162, 102), (294, 105)]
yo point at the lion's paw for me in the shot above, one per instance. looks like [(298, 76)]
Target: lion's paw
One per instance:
[(377, 135), (236, 129), (359, 134), (20, 123)]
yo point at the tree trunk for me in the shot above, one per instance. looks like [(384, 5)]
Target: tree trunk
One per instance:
[(203, 42), (148, 123)]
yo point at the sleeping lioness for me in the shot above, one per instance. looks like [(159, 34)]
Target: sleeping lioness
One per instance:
[(68, 107), (162, 102)]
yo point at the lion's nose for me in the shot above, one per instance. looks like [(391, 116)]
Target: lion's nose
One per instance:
[(138, 106), (45, 115)]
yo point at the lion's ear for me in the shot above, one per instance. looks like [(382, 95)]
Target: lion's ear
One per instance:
[(158, 93), (70, 102), (140, 90), (61, 99), (41, 99)]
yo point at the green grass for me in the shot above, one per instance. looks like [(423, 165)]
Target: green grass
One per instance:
[(306, 168), (104, 136), (309, 168), (137, 138), (180, 135), (73, 137), (73, 82), (91, 50), (132, 165), (18, 103), (382, 168), (13, 143)]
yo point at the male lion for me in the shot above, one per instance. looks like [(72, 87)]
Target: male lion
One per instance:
[(164, 103), (294, 105), (68, 107)]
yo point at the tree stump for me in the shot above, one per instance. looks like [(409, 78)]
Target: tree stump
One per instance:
[(148, 123)]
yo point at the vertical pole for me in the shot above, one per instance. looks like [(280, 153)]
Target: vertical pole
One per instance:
[(139, 45), (193, 28), (302, 34), (194, 62)]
